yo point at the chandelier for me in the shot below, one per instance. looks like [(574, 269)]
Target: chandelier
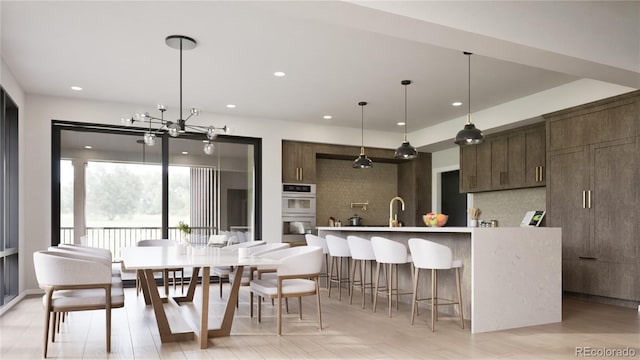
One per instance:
[(158, 125)]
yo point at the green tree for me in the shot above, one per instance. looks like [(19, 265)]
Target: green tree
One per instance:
[(112, 190)]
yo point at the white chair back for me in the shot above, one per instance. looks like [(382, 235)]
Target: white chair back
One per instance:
[(235, 247), (338, 246), (156, 242), (88, 249), (315, 240), (82, 255), (360, 248), (267, 248), (389, 251), (55, 268), (430, 255), (302, 260)]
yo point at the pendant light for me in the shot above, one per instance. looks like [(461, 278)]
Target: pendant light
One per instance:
[(405, 151), (469, 135), (362, 162)]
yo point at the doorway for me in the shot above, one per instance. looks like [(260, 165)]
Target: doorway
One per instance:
[(454, 203)]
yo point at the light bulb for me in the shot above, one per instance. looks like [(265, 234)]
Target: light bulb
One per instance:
[(149, 138), (211, 133), (142, 116), (174, 129), (127, 120), (195, 111), (208, 147)]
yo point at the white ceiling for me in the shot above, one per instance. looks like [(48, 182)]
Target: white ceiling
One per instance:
[(116, 52)]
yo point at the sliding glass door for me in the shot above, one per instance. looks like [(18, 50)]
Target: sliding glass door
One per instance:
[(114, 190)]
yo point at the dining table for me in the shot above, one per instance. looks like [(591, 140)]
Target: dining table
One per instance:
[(169, 310)]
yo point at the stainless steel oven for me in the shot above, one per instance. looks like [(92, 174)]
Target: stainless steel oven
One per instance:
[(299, 199), (298, 211)]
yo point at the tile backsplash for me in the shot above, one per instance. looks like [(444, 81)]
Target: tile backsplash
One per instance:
[(509, 206), (338, 184)]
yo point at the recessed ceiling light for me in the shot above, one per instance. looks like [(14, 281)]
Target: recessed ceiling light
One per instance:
[(88, 147), (185, 153), (401, 123), (279, 74), (327, 117), (76, 88), (231, 106), (457, 103)]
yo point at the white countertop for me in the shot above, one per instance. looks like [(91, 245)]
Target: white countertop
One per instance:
[(450, 229)]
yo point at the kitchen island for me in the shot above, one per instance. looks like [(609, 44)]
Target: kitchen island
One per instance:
[(511, 276)]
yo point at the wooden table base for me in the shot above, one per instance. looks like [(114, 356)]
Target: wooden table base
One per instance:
[(152, 297)]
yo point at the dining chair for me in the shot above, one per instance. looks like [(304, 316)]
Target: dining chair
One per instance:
[(433, 256), (223, 272), (315, 240), (165, 272), (297, 276), (339, 251), (74, 284)]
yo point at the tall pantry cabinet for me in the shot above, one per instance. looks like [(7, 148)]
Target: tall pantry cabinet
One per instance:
[(593, 182)]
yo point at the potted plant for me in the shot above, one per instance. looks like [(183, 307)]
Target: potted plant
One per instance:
[(185, 230)]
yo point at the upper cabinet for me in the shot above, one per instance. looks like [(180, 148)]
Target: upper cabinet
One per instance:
[(507, 160), (298, 162)]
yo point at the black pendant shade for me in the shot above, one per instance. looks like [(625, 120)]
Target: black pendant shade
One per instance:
[(469, 135), (362, 162), (405, 151)]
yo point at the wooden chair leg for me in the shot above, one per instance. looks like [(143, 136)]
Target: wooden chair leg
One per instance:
[(433, 298), (47, 320), (251, 304), (318, 301), (58, 321), (353, 276), (363, 279), (375, 298), (330, 277), (459, 297), (54, 319), (300, 306), (220, 283), (259, 309), (414, 303), (279, 314), (390, 287), (340, 262)]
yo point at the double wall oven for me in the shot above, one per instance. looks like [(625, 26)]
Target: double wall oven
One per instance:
[(298, 211)]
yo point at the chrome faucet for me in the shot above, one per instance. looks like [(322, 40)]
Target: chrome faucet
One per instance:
[(391, 209)]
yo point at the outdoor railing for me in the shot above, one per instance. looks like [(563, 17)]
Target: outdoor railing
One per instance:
[(115, 238)]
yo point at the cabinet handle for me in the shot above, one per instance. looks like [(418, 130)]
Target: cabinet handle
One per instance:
[(541, 173), (587, 258), (537, 173), (589, 199), (298, 173), (301, 177), (584, 199)]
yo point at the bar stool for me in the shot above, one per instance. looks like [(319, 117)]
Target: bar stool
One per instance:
[(361, 253), (339, 251), (433, 256), (392, 254), (314, 240)]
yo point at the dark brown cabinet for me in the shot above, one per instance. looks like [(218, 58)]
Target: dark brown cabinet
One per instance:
[(298, 162), (508, 160), (592, 193)]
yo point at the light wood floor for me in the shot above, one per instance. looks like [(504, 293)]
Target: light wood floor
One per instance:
[(349, 333)]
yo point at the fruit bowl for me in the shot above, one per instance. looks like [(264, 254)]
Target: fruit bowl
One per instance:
[(434, 220)]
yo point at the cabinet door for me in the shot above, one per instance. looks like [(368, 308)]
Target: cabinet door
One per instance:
[(468, 175), (290, 172), (535, 157), (516, 160), (498, 163), (567, 182), (307, 163), (483, 171), (614, 203)]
